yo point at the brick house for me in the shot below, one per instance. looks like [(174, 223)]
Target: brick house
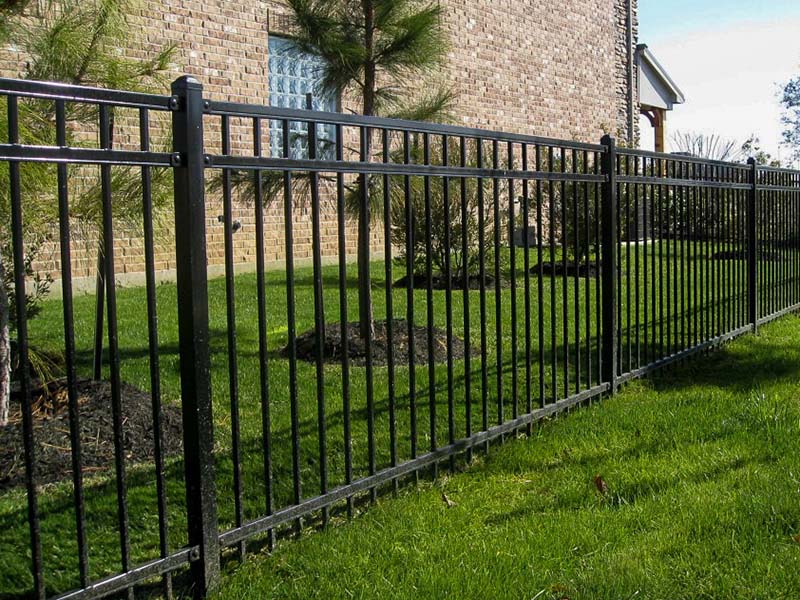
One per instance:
[(541, 67), (545, 67)]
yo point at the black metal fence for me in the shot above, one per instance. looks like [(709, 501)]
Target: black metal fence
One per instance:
[(518, 276)]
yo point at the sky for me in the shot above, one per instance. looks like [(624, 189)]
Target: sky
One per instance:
[(729, 58)]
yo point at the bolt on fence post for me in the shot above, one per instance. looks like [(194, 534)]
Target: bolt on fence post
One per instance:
[(192, 280), (608, 244), (752, 245)]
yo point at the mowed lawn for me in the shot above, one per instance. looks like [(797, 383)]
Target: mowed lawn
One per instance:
[(556, 305), (702, 471)]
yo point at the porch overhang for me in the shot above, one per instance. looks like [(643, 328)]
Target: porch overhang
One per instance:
[(658, 93)]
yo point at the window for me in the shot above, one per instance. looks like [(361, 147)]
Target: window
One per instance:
[(292, 75)]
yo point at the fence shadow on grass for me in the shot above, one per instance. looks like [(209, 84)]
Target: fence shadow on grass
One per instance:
[(623, 494), (738, 369), (726, 368)]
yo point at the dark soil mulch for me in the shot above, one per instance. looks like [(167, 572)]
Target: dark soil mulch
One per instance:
[(558, 268), (52, 439), (332, 349), (742, 255), (440, 282)]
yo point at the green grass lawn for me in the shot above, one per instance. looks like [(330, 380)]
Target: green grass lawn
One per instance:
[(703, 501), (57, 511)]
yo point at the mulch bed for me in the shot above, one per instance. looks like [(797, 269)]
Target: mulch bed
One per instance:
[(439, 282), (332, 348), (558, 268), (52, 439)]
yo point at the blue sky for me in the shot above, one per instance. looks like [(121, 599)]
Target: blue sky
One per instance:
[(665, 18), (729, 57)]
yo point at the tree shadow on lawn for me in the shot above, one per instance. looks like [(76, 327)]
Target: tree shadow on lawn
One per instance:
[(168, 352), (330, 281), (741, 368)]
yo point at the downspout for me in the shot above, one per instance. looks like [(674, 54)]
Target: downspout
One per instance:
[(629, 51)]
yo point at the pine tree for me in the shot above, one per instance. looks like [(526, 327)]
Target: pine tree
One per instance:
[(79, 42), (374, 52)]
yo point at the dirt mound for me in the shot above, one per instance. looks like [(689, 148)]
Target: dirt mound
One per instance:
[(571, 269), (52, 434), (439, 282), (333, 347)]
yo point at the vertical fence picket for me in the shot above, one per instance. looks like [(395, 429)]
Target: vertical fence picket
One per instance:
[(18, 251), (342, 251), (113, 347), (263, 371), (153, 345), (69, 349), (319, 315), (231, 333), (465, 280), (451, 417), (294, 402), (387, 259)]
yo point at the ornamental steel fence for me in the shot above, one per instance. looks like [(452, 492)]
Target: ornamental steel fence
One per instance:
[(500, 279)]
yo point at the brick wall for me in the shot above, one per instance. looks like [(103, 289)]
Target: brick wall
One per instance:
[(553, 68), (541, 67)]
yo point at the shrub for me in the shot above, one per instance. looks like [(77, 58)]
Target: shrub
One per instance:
[(460, 213)]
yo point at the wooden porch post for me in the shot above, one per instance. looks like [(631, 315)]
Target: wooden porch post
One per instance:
[(659, 125)]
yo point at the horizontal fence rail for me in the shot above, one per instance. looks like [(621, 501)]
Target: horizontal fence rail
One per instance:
[(498, 279)]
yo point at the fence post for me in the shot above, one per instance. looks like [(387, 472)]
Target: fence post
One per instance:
[(608, 258), (192, 279), (752, 245)]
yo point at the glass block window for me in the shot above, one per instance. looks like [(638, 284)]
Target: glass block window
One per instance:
[(292, 75)]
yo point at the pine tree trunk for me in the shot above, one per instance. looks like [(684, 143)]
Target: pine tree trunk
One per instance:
[(5, 350), (366, 322)]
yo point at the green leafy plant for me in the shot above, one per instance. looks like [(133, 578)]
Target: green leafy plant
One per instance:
[(446, 219), (38, 283), (569, 209)]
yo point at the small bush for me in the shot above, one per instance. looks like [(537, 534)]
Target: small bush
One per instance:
[(458, 216)]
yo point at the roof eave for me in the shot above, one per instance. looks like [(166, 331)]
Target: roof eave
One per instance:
[(642, 51)]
